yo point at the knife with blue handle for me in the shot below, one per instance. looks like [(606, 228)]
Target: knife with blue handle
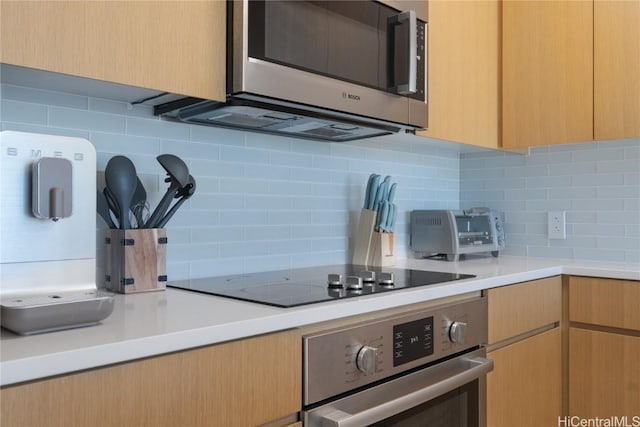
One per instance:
[(383, 214), (372, 191), (391, 218), (368, 190), (383, 189), (392, 192)]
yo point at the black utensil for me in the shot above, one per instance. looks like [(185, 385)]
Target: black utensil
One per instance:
[(120, 175), (103, 209), (138, 203), (178, 175), (184, 193)]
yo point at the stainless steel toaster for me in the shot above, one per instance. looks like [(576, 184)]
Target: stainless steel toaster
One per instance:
[(451, 233)]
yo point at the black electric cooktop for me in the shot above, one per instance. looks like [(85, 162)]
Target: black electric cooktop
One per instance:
[(295, 287)]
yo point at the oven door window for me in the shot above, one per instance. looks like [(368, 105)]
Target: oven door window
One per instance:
[(458, 408), (360, 42)]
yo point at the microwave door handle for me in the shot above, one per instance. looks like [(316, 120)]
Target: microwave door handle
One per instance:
[(479, 367), (411, 18)]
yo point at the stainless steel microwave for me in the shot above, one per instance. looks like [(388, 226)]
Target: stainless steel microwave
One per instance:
[(335, 70)]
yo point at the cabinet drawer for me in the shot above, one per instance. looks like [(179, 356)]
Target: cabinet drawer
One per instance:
[(606, 302), (523, 307)]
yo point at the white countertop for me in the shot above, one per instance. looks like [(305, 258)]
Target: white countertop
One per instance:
[(143, 325)]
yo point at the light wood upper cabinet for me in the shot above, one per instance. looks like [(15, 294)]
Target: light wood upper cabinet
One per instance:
[(463, 93), (616, 69), (241, 383), (172, 46), (547, 72)]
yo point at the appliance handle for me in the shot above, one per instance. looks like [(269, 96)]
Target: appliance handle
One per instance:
[(479, 366), (410, 17)]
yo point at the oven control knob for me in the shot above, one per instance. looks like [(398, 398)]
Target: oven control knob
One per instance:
[(354, 283), (334, 281), (457, 332), (367, 360)]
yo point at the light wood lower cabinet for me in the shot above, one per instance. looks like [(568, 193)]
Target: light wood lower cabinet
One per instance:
[(604, 348), (525, 342), (241, 383), (525, 387), (604, 374)]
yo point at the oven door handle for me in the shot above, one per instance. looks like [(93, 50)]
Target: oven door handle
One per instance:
[(479, 366)]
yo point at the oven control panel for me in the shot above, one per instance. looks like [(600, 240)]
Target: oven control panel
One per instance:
[(342, 359)]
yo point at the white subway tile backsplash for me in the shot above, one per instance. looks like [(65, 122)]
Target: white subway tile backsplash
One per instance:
[(267, 202), (22, 112), (596, 183), (88, 120)]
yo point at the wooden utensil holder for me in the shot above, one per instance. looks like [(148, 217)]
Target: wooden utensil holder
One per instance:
[(136, 260), (372, 247)]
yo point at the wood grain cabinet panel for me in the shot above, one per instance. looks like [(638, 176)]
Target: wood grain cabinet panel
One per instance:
[(172, 46), (547, 72), (604, 374), (525, 387), (605, 302), (242, 383), (616, 69), (524, 307), (463, 92)]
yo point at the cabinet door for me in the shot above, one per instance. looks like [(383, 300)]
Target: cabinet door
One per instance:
[(547, 72), (242, 383), (525, 387), (616, 69), (463, 72), (604, 374), (173, 46)]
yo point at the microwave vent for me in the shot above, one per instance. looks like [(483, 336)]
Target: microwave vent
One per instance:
[(326, 132), (231, 119)]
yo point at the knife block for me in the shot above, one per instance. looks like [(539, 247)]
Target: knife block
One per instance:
[(383, 249), (136, 260), (371, 247), (364, 236)]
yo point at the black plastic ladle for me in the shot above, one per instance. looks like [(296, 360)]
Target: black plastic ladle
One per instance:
[(178, 177), (184, 193), (121, 179)]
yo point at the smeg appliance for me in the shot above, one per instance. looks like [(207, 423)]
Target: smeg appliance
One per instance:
[(48, 234), (295, 287), (451, 233), (328, 70), (420, 368)]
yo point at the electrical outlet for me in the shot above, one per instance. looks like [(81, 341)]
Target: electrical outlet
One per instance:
[(557, 227)]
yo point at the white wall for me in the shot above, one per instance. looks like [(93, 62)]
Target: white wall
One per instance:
[(262, 202)]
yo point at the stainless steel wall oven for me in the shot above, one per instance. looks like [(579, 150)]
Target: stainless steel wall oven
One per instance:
[(423, 368)]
